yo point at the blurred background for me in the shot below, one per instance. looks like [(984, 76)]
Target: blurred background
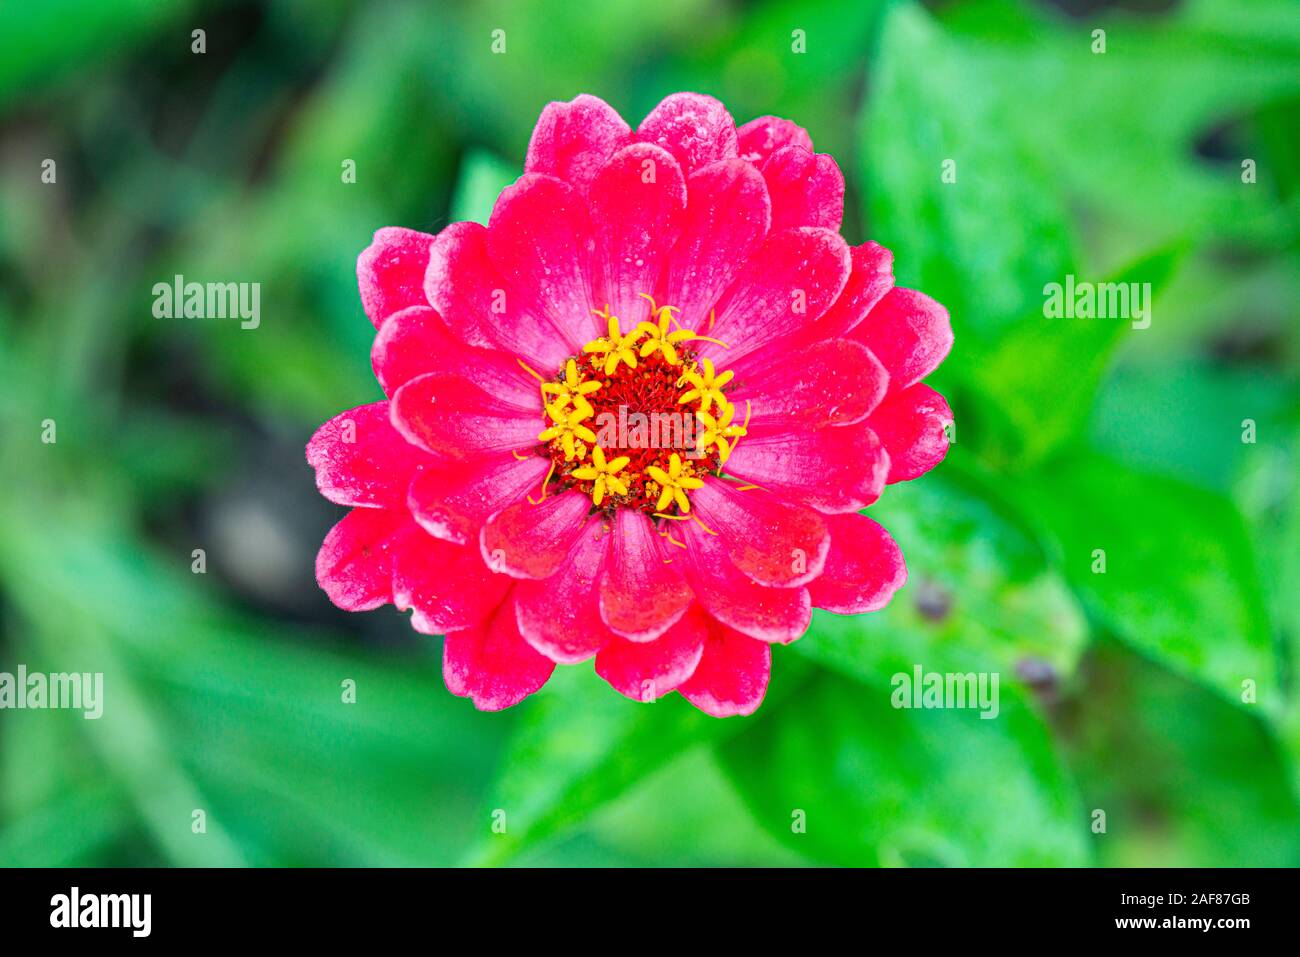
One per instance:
[(1162, 692)]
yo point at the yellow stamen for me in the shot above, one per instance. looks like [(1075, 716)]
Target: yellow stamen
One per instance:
[(720, 432), (598, 377), (545, 482), (571, 388), (707, 386), (675, 484), (716, 342), (603, 475), (568, 426), (532, 372), (659, 339), (615, 346), (702, 525)]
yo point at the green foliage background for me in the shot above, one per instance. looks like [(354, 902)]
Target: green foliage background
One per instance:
[(1120, 691)]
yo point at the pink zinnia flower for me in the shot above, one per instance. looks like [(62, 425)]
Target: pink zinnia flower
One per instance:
[(685, 267)]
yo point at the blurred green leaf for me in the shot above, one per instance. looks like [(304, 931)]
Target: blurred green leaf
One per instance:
[(581, 744), (205, 710), (1183, 416), (1184, 779), (66, 831), (989, 99), (1268, 489), (689, 814), (1131, 158), (805, 55), (986, 244), (482, 177), (40, 42), (1043, 374), (980, 593), (894, 787), (499, 93)]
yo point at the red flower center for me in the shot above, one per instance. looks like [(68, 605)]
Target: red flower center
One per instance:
[(637, 421)]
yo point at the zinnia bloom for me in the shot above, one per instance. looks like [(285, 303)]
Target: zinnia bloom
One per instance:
[(506, 492)]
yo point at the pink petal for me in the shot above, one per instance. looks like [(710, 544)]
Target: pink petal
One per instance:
[(727, 216), (790, 281), (453, 500), (644, 671), (768, 614), (807, 189), (408, 346), (453, 418), (863, 570), (560, 616), (695, 128), (478, 306), (760, 138), (492, 665), (573, 140), (355, 563), (643, 591), (731, 678), (360, 459), (416, 340), (533, 541), (540, 240), (836, 382), (909, 332), (447, 585), (836, 469), (390, 272), (870, 278), (636, 224), (772, 542), (911, 426)]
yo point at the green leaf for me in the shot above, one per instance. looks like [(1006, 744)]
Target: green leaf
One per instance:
[(986, 244), (980, 593), (794, 58), (1269, 492), (1184, 779), (1190, 425), (581, 745), (1044, 373), (215, 712), (888, 786), (498, 93), (1180, 580), (1130, 157), (985, 90), (41, 42), (687, 815), (879, 785), (67, 831)]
